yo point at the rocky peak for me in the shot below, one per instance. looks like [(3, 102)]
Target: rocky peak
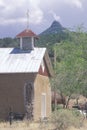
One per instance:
[(56, 24), (55, 27)]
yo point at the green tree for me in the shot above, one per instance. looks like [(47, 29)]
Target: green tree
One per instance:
[(71, 65)]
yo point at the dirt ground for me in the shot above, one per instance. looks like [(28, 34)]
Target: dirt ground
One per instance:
[(84, 127)]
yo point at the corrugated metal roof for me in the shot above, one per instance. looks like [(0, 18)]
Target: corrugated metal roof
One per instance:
[(18, 61)]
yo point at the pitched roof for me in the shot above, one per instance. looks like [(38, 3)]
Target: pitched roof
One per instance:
[(14, 60), (27, 33)]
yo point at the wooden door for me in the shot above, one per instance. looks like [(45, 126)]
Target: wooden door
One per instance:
[(43, 105)]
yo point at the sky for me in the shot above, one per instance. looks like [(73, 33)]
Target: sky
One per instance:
[(13, 15)]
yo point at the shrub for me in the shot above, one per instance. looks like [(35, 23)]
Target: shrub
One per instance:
[(62, 119)]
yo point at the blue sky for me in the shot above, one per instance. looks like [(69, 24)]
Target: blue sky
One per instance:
[(13, 18)]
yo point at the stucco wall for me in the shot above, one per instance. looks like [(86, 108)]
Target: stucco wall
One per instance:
[(12, 92), (41, 85)]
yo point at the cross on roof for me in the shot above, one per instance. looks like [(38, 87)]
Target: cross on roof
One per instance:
[(27, 19)]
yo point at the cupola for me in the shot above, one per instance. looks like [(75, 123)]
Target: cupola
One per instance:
[(27, 39)]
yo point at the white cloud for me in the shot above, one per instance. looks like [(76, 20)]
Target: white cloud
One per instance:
[(36, 16), (16, 11), (76, 3), (13, 11), (1, 3), (11, 21), (55, 16)]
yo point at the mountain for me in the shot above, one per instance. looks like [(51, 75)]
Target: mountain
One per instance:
[(54, 34), (55, 28)]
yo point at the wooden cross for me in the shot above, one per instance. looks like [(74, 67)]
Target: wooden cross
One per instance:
[(27, 19)]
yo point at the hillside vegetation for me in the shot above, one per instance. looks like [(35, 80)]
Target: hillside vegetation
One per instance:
[(70, 65)]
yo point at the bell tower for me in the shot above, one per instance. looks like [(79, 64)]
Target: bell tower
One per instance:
[(27, 38)]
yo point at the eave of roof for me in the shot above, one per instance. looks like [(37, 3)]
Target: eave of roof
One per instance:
[(48, 63), (27, 33)]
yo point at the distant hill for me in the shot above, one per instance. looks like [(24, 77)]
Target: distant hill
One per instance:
[(55, 28), (54, 34)]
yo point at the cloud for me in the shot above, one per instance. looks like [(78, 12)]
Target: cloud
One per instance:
[(53, 4), (69, 12), (55, 16), (12, 21), (16, 10), (36, 16), (1, 3), (76, 3)]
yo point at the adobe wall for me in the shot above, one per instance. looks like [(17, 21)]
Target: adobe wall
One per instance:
[(12, 92), (42, 85)]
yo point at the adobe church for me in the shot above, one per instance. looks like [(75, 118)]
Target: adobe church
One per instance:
[(24, 78)]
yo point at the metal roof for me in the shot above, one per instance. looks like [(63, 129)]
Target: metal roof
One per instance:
[(17, 61)]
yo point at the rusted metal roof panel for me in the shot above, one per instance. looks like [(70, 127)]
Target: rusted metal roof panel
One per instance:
[(27, 33)]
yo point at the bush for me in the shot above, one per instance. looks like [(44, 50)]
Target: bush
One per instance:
[(62, 119), (59, 106)]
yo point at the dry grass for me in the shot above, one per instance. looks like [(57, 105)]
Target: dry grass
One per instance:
[(33, 126), (84, 127), (25, 125)]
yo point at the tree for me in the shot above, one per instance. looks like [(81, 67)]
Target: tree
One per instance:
[(71, 65)]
